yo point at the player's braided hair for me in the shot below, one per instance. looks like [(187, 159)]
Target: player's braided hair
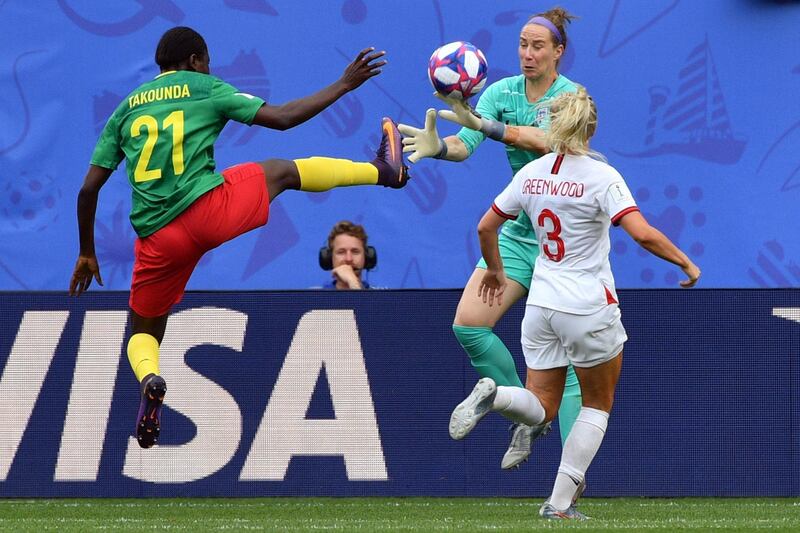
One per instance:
[(573, 121), (177, 45), (345, 227)]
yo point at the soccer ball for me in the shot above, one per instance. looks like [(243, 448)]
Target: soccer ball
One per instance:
[(458, 70)]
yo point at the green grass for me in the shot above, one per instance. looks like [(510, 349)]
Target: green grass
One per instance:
[(393, 514)]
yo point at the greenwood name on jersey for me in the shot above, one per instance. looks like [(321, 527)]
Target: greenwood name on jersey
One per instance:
[(572, 201), (165, 130), (505, 101)]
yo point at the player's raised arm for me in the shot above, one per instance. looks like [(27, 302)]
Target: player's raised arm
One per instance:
[(86, 267), (523, 137), (291, 114)]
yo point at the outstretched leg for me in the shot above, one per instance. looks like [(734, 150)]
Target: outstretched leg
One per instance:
[(488, 355), (318, 174), (534, 406)]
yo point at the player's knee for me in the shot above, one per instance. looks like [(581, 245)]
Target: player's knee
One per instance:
[(467, 317), (473, 339), (281, 175), (601, 400), (468, 335), (550, 405)]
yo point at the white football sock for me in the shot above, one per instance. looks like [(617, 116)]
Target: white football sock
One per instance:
[(579, 449), (519, 405)]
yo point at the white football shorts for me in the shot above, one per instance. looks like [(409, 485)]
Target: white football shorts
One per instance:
[(552, 339)]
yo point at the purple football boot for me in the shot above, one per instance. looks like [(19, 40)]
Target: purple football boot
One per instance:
[(389, 157), (148, 425)]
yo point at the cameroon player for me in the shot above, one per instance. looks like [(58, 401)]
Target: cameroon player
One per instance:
[(182, 207)]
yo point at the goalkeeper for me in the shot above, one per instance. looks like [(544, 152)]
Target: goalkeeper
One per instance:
[(514, 111)]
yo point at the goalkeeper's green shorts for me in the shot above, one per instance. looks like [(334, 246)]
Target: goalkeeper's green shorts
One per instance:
[(518, 259)]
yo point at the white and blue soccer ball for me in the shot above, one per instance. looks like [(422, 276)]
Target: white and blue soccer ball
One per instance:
[(458, 70)]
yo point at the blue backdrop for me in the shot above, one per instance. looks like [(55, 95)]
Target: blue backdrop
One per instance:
[(350, 392), (697, 109)]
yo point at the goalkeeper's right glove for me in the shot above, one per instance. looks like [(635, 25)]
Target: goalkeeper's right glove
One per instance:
[(423, 142)]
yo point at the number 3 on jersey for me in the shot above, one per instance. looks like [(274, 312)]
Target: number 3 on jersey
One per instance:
[(552, 236), (175, 121)]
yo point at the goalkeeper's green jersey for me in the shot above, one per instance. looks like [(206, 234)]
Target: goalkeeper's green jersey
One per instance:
[(165, 130), (505, 101)]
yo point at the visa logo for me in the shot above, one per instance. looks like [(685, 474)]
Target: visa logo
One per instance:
[(283, 431)]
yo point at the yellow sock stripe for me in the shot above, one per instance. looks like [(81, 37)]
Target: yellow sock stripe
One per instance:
[(319, 174), (143, 355)]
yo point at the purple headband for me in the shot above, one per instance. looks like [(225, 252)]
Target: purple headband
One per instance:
[(541, 21)]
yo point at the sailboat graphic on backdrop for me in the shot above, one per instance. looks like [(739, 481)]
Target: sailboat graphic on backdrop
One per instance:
[(694, 121)]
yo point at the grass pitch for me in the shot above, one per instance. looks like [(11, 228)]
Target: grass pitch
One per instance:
[(393, 514)]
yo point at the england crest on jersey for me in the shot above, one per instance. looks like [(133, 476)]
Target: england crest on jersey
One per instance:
[(542, 116)]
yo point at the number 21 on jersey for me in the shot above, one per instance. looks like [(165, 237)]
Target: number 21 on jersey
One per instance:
[(149, 123), (552, 235)]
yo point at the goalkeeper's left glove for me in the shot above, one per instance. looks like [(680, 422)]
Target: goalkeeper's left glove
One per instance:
[(423, 142), (461, 113)]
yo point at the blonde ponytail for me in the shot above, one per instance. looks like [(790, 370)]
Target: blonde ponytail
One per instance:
[(573, 121)]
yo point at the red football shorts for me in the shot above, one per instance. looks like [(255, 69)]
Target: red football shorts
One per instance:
[(165, 260)]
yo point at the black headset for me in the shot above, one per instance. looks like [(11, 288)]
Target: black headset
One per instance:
[(326, 258)]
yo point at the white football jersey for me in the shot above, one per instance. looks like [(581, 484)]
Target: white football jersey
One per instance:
[(571, 201)]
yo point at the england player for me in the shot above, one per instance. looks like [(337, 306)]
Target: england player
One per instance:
[(513, 111), (165, 130), (572, 315)]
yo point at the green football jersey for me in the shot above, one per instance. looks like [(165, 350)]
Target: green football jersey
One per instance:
[(506, 102), (165, 130)]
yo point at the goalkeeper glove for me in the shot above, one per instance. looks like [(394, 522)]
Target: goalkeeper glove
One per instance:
[(461, 113), (423, 142)]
